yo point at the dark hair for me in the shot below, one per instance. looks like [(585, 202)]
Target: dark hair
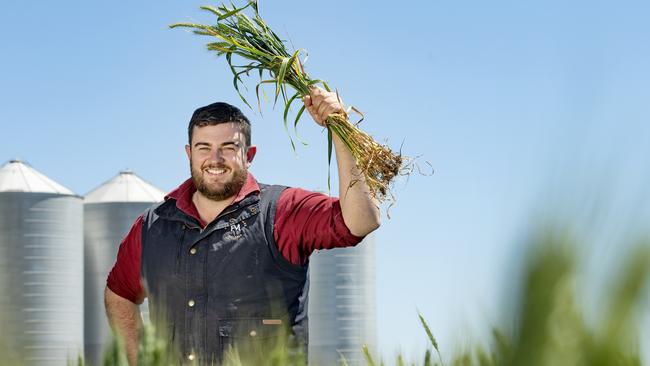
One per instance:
[(217, 113)]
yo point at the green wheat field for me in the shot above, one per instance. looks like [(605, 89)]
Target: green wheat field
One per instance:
[(550, 330)]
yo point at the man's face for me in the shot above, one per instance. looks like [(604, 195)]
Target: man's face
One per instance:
[(219, 160)]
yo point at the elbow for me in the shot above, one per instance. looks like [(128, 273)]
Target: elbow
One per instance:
[(368, 227), (375, 220), (374, 224), (361, 222)]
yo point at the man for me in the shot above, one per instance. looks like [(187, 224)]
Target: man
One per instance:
[(224, 257)]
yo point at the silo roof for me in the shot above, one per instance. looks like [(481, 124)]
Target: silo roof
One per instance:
[(125, 187), (18, 176)]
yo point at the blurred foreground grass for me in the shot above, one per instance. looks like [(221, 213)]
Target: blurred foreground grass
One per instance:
[(551, 329)]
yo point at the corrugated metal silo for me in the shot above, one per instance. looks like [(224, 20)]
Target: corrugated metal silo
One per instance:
[(41, 267), (342, 311), (109, 212)]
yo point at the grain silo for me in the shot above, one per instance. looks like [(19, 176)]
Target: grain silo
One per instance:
[(41, 267), (109, 213), (342, 304)]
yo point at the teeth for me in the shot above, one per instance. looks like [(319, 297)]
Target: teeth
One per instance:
[(216, 171)]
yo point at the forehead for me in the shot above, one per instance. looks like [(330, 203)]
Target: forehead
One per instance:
[(217, 134)]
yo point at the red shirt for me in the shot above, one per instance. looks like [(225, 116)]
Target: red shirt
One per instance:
[(304, 221)]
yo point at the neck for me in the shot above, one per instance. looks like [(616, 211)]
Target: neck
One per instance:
[(208, 208)]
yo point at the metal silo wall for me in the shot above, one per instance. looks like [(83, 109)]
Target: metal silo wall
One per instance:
[(342, 310), (41, 276), (105, 225)]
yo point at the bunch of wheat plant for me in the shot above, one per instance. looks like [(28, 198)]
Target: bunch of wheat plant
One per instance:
[(250, 38)]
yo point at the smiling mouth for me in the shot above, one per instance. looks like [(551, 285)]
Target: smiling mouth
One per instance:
[(215, 171)]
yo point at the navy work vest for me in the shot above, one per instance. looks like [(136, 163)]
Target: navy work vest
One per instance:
[(212, 287)]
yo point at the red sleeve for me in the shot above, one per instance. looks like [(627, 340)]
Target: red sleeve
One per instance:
[(124, 278), (306, 221)]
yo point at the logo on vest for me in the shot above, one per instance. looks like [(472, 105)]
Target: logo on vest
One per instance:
[(235, 230), (232, 235)]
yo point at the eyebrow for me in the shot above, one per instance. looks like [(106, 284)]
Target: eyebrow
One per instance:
[(223, 144), (230, 143)]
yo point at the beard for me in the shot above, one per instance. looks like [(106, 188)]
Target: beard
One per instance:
[(218, 191)]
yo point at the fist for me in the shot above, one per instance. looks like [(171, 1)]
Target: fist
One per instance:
[(320, 104)]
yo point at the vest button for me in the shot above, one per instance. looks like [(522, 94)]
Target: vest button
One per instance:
[(253, 333), (191, 357), (191, 303), (193, 251)]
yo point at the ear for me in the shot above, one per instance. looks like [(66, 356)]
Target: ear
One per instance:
[(188, 151), (250, 155)]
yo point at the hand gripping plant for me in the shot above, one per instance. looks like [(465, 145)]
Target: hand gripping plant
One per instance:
[(251, 38)]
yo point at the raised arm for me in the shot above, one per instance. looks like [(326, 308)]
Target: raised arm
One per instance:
[(360, 211)]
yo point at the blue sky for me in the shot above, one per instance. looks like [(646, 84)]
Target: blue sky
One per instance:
[(521, 108)]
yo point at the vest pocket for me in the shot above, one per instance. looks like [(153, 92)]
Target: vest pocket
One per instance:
[(250, 339)]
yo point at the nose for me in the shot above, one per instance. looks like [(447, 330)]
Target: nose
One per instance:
[(218, 156)]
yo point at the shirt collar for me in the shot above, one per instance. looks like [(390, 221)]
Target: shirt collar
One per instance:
[(183, 195)]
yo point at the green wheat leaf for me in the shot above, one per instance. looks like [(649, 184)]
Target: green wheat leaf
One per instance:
[(366, 354)]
